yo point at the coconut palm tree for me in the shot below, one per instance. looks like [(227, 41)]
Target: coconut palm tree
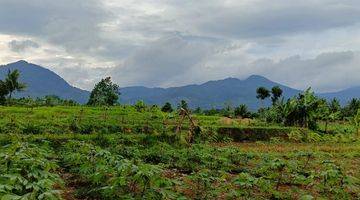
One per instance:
[(12, 82), (262, 93)]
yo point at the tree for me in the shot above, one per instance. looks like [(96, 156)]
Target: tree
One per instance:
[(183, 104), (105, 93), (334, 105), (328, 112), (3, 92), (356, 121), (12, 82), (242, 111), (307, 107), (303, 110), (198, 111), (140, 106), (262, 93), (227, 111), (276, 94), (167, 107), (351, 109)]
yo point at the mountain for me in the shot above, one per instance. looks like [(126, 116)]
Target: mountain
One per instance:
[(344, 96), (212, 94), (41, 81)]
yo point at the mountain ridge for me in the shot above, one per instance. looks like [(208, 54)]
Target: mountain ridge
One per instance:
[(211, 94)]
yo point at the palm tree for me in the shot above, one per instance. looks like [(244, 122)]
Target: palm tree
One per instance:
[(276, 94), (12, 82), (262, 93)]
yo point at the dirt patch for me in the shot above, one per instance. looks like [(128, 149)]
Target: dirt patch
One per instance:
[(226, 121), (70, 189)]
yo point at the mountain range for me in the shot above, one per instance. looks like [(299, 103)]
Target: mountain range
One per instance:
[(212, 94)]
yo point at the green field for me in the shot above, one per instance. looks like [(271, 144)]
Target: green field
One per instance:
[(124, 153)]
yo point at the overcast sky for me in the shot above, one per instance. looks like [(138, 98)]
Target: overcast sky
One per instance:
[(176, 42)]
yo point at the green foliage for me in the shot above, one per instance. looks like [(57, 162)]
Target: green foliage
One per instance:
[(12, 82), (183, 104), (302, 111), (351, 109), (262, 93), (276, 92), (3, 92), (10, 85), (356, 121), (105, 93), (112, 176), (242, 111), (167, 108), (120, 153), (140, 106), (27, 171)]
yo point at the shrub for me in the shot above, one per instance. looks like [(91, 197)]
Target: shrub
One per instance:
[(32, 129)]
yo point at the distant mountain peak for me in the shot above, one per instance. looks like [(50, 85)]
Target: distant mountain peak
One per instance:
[(256, 78), (231, 79), (20, 62)]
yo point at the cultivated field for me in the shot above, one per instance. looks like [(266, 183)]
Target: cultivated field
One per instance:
[(127, 153)]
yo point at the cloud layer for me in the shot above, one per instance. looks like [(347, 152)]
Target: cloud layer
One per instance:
[(169, 43)]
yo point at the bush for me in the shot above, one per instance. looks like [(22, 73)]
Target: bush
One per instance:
[(254, 133), (32, 129), (296, 136)]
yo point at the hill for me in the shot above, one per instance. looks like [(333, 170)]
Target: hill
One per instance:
[(41, 82)]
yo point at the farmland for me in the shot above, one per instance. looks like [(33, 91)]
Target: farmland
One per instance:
[(122, 152)]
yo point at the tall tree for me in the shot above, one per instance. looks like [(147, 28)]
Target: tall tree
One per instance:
[(276, 94), (167, 107), (262, 93), (105, 93), (12, 82)]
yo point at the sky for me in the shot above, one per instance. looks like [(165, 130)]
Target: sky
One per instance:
[(163, 43)]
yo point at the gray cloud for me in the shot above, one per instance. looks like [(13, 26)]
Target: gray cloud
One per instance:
[(20, 46), (72, 24), (168, 43), (178, 61), (326, 72), (163, 62), (264, 19)]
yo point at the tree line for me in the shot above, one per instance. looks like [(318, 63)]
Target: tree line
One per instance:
[(303, 110)]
